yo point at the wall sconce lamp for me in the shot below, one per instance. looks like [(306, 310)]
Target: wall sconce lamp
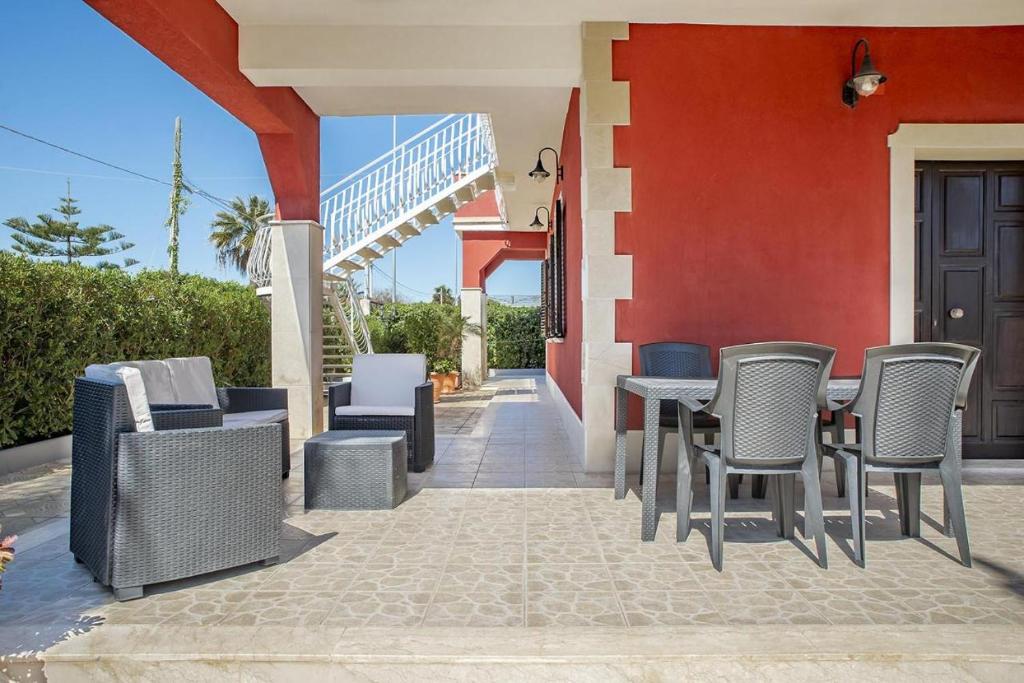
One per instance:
[(863, 81), (536, 218), (539, 173)]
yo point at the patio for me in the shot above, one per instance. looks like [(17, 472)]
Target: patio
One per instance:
[(505, 542)]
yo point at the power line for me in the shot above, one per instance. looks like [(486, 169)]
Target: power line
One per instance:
[(189, 185), (84, 156), (405, 287), (65, 174)]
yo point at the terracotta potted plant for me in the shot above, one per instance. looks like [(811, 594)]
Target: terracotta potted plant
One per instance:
[(437, 379), (447, 376)]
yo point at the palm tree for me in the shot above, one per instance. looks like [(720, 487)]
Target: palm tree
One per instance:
[(443, 295), (233, 232)]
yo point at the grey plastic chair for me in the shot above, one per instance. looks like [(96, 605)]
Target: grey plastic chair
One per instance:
[(907, 402), (768, 400), (678, 360)]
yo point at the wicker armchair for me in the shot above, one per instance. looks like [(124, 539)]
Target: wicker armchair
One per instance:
[(388, 392), (187, 498)]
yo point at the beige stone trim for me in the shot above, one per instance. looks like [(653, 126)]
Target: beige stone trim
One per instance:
[(297, 321), (939, 142), (607, 276)]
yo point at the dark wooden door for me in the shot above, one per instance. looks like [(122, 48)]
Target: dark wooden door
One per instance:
[(970, 288)]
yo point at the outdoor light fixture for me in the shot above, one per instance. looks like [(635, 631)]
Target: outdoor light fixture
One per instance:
[(863, 81), (539, 173), (536, 217)]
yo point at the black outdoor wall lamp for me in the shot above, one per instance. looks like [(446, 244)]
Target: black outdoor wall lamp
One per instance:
[(539, 173), (536, 218), (863, 81)]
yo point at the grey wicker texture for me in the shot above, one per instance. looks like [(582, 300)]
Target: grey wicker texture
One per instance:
[(248, 399), (355, 470), (675, 359), (187, 418), (915, 400), (652, 389), (419, 429), (774, 398), (193, 501), (100, 414), (148, 507), (910, 405), (768, 399)]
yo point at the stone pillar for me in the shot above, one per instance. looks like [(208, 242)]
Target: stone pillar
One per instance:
[(605, 190), (474, 346), (297, 321)]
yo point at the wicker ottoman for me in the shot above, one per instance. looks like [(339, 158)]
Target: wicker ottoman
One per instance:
[(355, 470)]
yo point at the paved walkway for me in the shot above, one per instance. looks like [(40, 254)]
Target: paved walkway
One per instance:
[(501, 535)]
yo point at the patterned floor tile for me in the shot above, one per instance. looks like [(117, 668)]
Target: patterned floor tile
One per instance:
[(475, 608), (589, 608), (669, 608), (395, 609)]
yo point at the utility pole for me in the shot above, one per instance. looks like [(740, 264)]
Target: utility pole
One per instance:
[(178, 202)]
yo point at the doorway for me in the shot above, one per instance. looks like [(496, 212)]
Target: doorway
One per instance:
[(969, 288)]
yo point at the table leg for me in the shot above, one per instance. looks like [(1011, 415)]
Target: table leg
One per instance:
[(621, 404), (839, 416), (649, 520)]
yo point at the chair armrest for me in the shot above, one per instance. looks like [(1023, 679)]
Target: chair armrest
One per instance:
[(179, 406), (186, 495), (187, 418), (339, 395), (247, 399), (424, 422)]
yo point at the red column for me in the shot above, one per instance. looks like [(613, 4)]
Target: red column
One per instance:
[(199, 41)]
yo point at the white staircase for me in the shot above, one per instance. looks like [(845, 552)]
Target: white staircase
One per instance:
[(387, 202)]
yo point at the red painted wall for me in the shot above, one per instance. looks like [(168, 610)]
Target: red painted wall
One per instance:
[(760, 202), (483, 251), (484, 206), (564, 359), (199, 41)]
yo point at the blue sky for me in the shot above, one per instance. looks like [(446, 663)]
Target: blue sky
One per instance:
[(69, 77)]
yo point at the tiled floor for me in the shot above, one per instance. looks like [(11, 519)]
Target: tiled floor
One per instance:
[(501, 533)]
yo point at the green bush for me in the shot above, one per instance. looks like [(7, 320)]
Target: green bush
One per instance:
[(55, 319), (433, 329), (514, 336)]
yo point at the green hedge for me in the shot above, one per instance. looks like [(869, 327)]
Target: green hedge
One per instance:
[(55, 319), (514, 336), (432, 329)]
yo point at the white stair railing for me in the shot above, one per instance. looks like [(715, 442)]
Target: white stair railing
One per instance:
[(344, 302), (397, 189), (404, 182)]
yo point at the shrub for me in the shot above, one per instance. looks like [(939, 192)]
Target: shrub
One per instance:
[(55, 319), (433, 329), (514, 336)]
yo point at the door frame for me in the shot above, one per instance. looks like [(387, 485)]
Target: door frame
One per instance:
[(930, 142)]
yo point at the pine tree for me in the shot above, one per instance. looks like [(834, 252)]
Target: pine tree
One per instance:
[(63, 237), (179, 202)]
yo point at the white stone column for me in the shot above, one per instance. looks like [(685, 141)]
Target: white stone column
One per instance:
[(474, 346), (607, 276), (297, 321)]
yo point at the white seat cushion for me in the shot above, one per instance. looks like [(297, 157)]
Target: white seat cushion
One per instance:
[(387, 379), (375, 410), (157, 378), (131, 378), (192, 379), (255, 417)]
